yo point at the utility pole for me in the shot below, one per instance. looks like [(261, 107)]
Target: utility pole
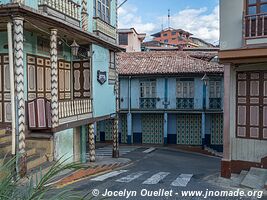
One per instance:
[(169, 18)]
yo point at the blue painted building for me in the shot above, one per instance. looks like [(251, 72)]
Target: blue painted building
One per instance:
[(170, 98), (64, 65)]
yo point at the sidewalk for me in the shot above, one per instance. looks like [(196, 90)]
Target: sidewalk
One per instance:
[(102, 164)]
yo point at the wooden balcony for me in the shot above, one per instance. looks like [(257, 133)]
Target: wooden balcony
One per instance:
[(105, 30), (74, 110), (67, 10), (255, 26)]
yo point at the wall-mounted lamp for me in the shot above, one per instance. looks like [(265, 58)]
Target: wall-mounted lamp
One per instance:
[(205, 79), (74, 48)]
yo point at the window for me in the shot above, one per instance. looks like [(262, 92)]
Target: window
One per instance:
[(148, 89), (166, 41), (173, 38), (123, 39), (256, 6), (173, 32), (185, 94), (112, 59), (256, 25), (185, 88), (165, 34), (102, 9), (215, 89), (148, 94)]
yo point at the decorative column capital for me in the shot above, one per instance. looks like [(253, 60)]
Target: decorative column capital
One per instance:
[(18, 18), (19, 1)]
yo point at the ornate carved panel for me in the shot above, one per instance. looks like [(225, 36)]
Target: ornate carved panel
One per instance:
[(82, 79), (5, 98), (251, 105), (39, 78), (64, 79)]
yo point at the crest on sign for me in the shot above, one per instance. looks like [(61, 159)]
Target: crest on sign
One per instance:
[(101, 77)]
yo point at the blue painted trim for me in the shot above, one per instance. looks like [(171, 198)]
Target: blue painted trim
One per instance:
[(166, 93), (203, 125), (165, 140), (129, 139), (204, 96), (165, 127)]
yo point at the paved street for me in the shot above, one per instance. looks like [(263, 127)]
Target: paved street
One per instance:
[(163, 170)]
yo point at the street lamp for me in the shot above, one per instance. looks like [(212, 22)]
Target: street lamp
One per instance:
[(74, 48), (205, 79)]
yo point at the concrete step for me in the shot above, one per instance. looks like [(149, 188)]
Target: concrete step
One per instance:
[(255, 178), (5, 148), (238, 178), (2, 132), (35, 160), (5, 138)]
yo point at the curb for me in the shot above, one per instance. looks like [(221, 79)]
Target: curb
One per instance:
[(85, 173)]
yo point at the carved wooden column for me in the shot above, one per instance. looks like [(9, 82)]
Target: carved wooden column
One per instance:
[(226, 161), (92, 155), (84, 14), (54, 78), (19, 80), (115, 152)]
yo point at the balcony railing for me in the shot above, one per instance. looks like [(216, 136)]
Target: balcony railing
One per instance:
[(104, 28), (185, 103), (63, 8), (148, 103), (215, 103), (74, 109), (255, 26)]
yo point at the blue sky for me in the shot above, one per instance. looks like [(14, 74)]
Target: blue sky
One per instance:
[(200, 17)]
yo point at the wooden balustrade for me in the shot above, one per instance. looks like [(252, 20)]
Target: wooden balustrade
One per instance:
[(255, 26), (105, 28), (67, 7), (70, 108)]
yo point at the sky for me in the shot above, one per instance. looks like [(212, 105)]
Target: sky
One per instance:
[(199, 17)]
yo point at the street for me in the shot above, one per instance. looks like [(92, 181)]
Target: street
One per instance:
[(162, 174)]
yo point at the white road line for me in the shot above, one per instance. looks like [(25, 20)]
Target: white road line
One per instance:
[(131, 177), (108, 175), (156, 178), (149, 150), (182, 180)]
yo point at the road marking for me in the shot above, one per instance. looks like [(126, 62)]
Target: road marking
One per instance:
[(149, 150), (182, 180), (131, 177), (108, 175), (156, 178)]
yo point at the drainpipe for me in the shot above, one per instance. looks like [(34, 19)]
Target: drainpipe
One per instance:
[(12, 87), (129, 115)]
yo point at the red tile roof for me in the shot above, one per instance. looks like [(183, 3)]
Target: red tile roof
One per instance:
[(164, 62)]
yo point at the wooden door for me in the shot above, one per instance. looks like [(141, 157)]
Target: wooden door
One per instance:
[(251, 117), (81, 79)]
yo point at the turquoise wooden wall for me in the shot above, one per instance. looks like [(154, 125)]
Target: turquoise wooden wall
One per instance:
[(103, 95)]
